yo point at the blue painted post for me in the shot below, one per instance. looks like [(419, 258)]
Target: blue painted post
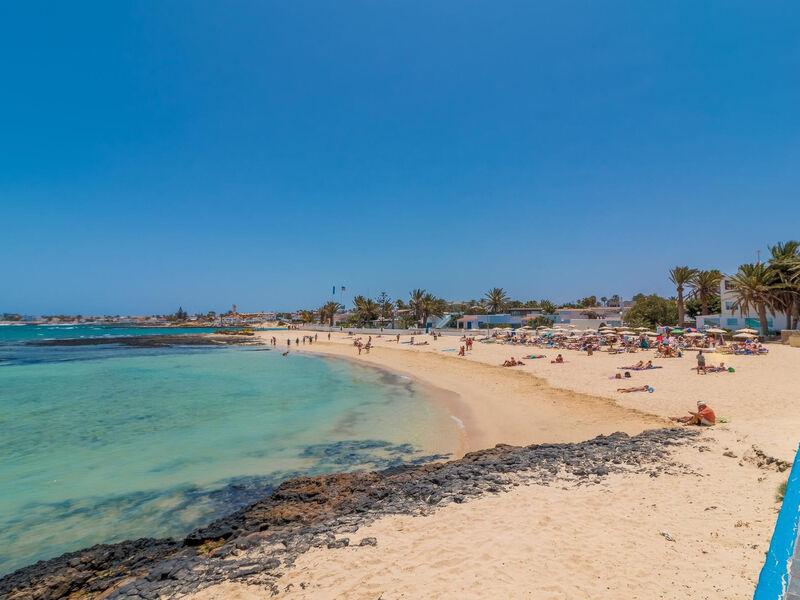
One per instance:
[(774, 578)]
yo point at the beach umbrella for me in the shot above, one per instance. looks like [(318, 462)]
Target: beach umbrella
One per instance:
[(676, 330), (694, 334), (747, 330), (652, 334), (715, 330), (626, 332), (748, 336), (641, 329)]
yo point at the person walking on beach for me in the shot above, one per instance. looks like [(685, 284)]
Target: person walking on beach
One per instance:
[(701, 362), (329, 336), (315, 336), (288, 341)]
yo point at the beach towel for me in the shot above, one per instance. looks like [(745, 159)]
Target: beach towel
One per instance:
[(532, 356), (552, 362)]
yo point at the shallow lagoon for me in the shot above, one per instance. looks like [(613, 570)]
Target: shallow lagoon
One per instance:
[(107, 443)]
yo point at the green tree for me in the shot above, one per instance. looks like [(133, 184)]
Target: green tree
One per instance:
[(328, 310), (308, 316), (181, 315), (603, 300), (547, 307), (694, 307), (385, 307), (366, 309), (651, 311), (430, 305), (496, 300), (785, 257), (415, 304), (680, 277), (704, 287), (754, 287)]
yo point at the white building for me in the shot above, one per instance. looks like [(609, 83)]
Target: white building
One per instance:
[(730, 318)]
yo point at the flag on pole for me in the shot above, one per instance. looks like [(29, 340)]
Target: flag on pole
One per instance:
[(333, 291), (343, 288)]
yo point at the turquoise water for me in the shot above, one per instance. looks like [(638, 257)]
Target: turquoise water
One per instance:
[(14, 333), (107, 443)]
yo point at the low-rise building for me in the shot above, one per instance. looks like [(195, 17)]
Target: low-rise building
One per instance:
[(487, 321), (733, 318), (590, 317)]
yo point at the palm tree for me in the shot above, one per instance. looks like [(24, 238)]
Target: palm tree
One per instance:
[(496, 300), (681, 276), (366, 309), (548, 307), (785, 257), (328, 310), (754, 289), (430, 305), (415, 303), (705, 286), (603, 300), (307, 316)]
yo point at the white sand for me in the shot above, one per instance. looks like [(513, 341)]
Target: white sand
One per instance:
[(595, 541)]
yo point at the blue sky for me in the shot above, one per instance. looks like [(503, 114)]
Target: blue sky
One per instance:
[(206, 153)]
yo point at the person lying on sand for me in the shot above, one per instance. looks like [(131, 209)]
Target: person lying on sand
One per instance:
[(512, 363), (703, 416), (643, 388), (559, 359)]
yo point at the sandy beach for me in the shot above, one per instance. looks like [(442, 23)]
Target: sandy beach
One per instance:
[(699, 532)]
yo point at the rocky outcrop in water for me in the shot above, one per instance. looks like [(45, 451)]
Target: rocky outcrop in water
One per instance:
[(152, 341), (255, 543)]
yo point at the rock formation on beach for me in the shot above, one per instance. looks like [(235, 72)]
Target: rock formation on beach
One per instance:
[(256, 543)]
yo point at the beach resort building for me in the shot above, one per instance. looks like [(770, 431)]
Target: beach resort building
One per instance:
[(590, 317), (731, 318), (488, 321)]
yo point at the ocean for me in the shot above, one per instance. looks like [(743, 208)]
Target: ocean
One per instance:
[(101, 443)]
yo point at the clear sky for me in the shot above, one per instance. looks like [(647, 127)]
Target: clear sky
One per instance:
[(156, 154)]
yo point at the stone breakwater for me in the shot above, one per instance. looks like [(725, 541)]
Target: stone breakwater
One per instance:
[(255, 544), (154, 341)]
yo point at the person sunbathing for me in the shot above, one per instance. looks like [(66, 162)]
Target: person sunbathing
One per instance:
[(512, 363), (559, 359), (649, 364), (642, 388), (703, 416), (637, 367)]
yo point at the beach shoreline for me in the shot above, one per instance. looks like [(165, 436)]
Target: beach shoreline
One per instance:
[(728, 473)]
